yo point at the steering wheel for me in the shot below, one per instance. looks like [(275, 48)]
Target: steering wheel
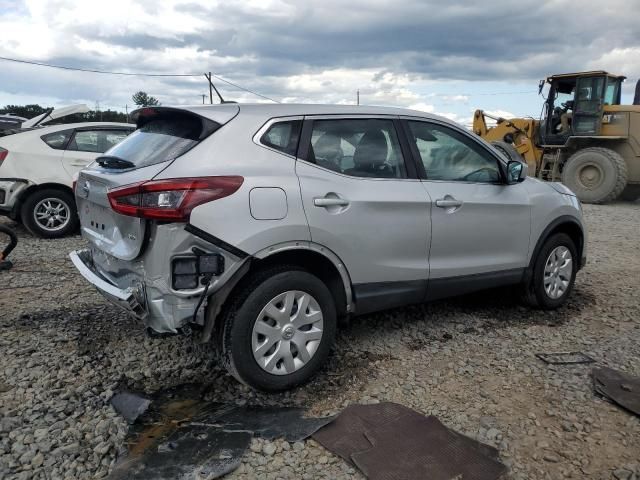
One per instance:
[(490, 173)]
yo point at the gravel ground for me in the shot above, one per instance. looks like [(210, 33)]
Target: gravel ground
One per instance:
[(470, 361)]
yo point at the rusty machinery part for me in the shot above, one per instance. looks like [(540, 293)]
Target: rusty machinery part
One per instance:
[(13, 241)]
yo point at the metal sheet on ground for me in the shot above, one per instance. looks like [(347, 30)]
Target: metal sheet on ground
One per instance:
[(392, 442), (619, 387), (193, 451), (271, 422), (565, 358), (182, 436)]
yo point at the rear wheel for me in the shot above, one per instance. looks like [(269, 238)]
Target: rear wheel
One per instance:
[(278, 329), (50, 213), (595, 174), (554, 273)]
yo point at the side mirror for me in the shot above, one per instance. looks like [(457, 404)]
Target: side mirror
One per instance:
[(516, 172)]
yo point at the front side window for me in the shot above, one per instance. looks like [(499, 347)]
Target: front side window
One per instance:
[(57, 140), (447, 155), (357, 147), (283, 136)]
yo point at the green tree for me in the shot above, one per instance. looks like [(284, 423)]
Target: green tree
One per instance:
[(25, 111), (142, 99)]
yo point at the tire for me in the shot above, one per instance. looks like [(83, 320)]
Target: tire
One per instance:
[(52, 202), (534, 292), (508, 150), (246, 326), (631, 193), (595, 174)]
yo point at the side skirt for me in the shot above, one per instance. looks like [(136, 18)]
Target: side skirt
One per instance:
[(375, 297)]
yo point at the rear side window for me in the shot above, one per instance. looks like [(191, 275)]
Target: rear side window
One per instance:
[(283, 136), (96, 141), (162, 136), (85, 141), (57, 140)]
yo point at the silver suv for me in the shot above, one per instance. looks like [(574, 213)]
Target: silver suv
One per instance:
[(261, 225)]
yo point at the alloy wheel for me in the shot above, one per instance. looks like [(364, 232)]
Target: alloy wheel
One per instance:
[(52, 214)]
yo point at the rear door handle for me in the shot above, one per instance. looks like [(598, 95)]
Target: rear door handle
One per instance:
[(330, 202), (448, 202)]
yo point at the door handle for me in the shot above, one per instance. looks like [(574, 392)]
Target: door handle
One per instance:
[(79, 164), (330, 202), (448, 202)]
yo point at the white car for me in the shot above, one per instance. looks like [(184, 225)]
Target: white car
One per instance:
[(37, 167)]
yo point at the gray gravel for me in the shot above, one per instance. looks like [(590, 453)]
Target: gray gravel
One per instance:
[(470, 361)]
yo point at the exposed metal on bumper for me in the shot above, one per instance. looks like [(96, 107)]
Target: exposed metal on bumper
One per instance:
[(128, 299)]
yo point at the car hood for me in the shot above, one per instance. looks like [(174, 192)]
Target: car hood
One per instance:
[(561, 188), (57, 113)]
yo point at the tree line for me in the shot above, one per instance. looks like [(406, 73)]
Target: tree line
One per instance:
[(140, 99)]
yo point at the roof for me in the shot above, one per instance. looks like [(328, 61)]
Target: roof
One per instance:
[(588, 73), (222, 113)]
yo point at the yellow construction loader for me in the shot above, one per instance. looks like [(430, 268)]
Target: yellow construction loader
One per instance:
[(585, 138)]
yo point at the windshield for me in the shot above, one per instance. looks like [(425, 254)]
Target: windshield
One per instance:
[(161, 137)]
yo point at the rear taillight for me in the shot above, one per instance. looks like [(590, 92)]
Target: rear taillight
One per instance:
[(3, 154), (173, 199)]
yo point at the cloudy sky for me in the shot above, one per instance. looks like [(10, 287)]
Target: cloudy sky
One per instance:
[(445, 59)]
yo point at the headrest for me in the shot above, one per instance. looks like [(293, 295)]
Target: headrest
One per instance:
[(371, 150)]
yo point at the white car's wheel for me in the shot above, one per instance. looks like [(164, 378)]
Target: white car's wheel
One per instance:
[(50, 213)]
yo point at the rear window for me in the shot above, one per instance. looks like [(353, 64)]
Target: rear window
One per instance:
[(162, 136)]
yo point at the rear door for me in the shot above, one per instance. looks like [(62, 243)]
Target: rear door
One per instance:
[(87, 144), (364, 202), (480, 227)]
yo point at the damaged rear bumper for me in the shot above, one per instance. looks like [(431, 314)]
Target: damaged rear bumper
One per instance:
[(132, 299)]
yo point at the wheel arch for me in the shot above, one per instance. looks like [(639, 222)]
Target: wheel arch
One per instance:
[(31, 189), (319, 260), (563, 224)]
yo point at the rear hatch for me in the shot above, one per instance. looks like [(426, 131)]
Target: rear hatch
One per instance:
[(162, 135)]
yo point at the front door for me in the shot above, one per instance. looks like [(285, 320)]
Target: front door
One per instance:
[(480, 227), (361, 203), (588, 106)]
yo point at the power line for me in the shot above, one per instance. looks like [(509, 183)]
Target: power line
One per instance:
[(133, 74), (242, 88), (62, 67)]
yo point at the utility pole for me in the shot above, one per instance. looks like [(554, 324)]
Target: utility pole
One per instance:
[(358, 97), (210, 88), (203, 95), (213, 88), (126, 110)]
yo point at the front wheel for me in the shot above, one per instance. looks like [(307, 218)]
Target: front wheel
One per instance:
[(554, 273), (50, 213), (279, 329), (595, 174)]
